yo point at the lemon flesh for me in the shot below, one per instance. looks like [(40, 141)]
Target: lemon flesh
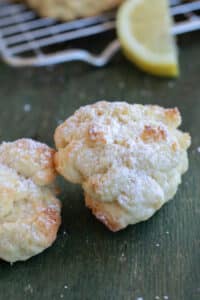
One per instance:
[(144, 31)]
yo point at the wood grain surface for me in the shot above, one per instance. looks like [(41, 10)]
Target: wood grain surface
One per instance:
[(157, 259)]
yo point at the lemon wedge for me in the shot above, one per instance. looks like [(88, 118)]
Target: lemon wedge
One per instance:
[(144, 31)]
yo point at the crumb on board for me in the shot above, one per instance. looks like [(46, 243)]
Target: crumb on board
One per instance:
[(164, 297), (122, 257), (198, 149), (27, 107), (157, 245), (28, 288)]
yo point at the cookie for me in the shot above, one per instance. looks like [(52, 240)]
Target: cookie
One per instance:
[(29, 209), (128, 158), (71, 9)]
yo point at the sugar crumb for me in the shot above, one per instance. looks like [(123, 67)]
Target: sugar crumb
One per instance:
[(28, 289), (27, 107), (166, 297), (198, 149), (61, 296), (140, 298), (157, 297), (157, 245), (122, 258), (167, 232), (65, 286)]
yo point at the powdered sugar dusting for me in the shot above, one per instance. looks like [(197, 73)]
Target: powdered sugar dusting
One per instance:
[(28, 289), (26, 149), (20, 162)]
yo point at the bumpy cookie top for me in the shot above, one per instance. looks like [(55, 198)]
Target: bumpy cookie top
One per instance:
[(29, 158), (130, 156), (29, 210)]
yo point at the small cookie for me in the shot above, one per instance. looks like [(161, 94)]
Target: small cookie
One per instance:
[(71, 9), (29, 209), (128, 158)]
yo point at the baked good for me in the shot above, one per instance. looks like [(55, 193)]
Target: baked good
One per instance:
[(29, 209), (71, 9), (128, 158)]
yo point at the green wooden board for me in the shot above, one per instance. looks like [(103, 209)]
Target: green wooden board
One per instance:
[(155, 258)]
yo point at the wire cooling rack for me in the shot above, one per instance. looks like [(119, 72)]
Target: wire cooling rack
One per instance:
[(25, 38)]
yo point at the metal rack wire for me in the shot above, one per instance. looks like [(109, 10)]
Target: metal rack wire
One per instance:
[(24, 36)]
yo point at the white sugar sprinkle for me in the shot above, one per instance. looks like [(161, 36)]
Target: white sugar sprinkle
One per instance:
[(157, 245), (61, 296), (157, 297), (65, 287), (167, 232), (28, 289), (27, 107), (165, 297), (198, 149), (122, 258), (139, 298)]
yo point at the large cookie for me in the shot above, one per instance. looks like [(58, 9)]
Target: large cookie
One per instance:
[(128, 158)]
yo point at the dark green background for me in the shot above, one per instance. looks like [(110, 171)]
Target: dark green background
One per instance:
[(156, 258)]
